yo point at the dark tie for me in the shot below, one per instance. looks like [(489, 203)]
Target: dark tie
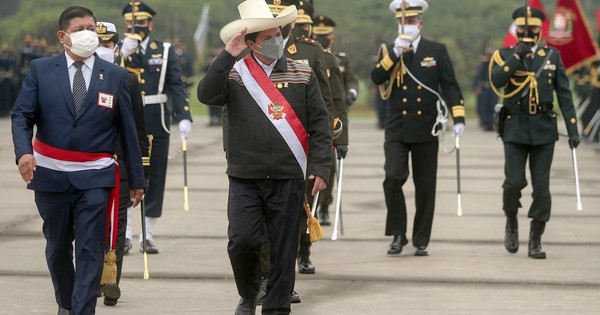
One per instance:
[(409, 55), (79, 89)]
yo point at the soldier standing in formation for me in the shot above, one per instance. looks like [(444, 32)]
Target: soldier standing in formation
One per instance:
[(412, 120), (323, 34), (302, 31), (8, 66), (486, 98), (109, 51), (530, 74), (159, 71)]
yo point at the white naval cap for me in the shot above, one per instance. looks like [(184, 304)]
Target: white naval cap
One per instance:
[(411, 7)]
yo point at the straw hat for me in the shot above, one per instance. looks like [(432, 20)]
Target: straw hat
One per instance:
[(256, 16)]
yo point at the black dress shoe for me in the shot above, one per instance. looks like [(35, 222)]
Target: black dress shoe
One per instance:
[(511, 235), (100, 291), (421, 251), (246, 307), (112, 293), (305, 266), (396, 245), (150, 247), (324, 215), (296, 297), (62, 311), (127, 247)]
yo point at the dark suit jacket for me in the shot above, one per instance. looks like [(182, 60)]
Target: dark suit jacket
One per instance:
[(412, 109), (46, 102)]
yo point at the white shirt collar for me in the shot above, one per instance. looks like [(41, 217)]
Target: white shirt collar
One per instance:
[(415, 43), (144, 44), (89, 62), (268, 68)]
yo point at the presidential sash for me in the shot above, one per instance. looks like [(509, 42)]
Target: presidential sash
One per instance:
[(72, 161), (274, 105)]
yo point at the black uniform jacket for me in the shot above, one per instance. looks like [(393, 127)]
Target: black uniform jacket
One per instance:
[(412, 111), (255, 149)]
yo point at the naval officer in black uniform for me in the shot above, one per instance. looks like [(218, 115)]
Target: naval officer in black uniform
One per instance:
[(412, 119)]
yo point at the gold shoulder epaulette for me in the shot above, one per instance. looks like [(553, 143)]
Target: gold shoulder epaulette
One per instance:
[(386, 61)]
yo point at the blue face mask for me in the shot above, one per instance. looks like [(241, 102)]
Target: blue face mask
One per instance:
[(272, 49)]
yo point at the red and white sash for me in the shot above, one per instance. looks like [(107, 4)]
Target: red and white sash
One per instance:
[(72, 161), (274, 105)]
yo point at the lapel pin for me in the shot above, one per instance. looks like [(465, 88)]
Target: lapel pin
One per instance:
[(101, 75)]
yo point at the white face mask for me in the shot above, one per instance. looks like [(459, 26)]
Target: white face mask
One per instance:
[(106, 54), (83, 43), (412, 31)]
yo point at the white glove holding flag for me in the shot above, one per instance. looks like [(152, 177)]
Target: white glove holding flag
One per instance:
[(458, 129), (129, 46), (400, 44), (185, 128)]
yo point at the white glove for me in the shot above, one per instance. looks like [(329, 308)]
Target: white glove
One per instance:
[(458, 129), (400, 44), (129, 46), (185, 128)]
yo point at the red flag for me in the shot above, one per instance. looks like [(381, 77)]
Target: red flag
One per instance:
[(569, 33), (510, 39), (597, 21)]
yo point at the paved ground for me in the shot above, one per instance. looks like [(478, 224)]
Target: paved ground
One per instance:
[(468, 270)]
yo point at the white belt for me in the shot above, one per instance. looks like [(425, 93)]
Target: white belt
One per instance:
[(155, 99)]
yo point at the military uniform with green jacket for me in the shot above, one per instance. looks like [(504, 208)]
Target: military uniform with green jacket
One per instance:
[(530, 122), (530, 75)]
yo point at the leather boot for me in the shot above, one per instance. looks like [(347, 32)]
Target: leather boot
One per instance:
[(305, 266), (511, 234), (324, 215), (535, 240)]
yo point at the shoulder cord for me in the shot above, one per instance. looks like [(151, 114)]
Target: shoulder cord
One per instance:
[(530, 81), (161, 84), (442, 117), (441, 120)]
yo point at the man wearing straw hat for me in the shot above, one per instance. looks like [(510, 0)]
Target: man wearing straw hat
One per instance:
[(276, 118)]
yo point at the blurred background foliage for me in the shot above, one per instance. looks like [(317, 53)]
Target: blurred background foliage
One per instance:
[(465, 26)]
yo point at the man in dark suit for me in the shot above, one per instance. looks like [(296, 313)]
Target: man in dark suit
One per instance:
[(413, 120), (153, 60), (76, 101), (530, 75)]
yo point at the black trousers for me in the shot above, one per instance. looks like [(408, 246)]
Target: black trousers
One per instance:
[(124, 203), (540, 162), (326, 196), (424, 167), (252, 203), (80, 216), (159, 158)]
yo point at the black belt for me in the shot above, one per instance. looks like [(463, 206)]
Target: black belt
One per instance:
[(541, 108)]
